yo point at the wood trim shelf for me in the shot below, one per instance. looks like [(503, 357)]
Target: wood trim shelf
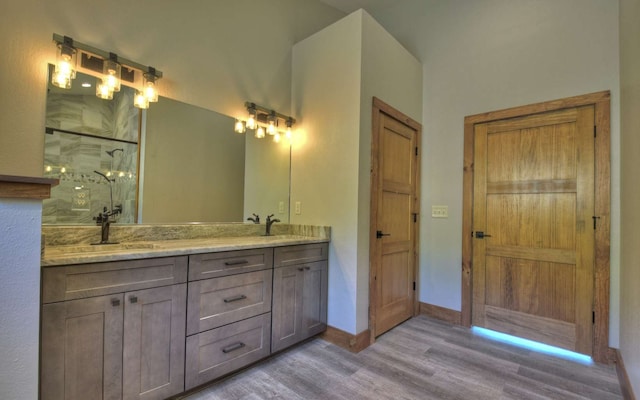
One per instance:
[(26, 187)]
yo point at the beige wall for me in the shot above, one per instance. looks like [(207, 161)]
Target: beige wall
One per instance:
[(486, 55), (216, 54), (336, 72), (630, 189)]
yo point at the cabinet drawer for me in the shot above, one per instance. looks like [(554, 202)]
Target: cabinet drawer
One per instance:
[(217, 352), (97, 279), (212, 265), (219, 301), (306, 253)]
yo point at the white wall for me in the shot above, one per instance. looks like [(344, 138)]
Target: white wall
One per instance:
[(20, 291), (630, 193), (336, 73), (324, 161), (486, 55)]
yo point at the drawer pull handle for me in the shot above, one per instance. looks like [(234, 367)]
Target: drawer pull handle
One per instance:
[(304, 268), (133, 299), (239, 262), (115, 302), (307, 268), (233, 347), (300, 269), (235, 298)]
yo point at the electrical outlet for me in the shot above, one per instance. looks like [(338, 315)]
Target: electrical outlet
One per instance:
[(439, 211), (281, 207), (298, 208)]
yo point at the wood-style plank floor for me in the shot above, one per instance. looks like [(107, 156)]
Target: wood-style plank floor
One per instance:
[(420, 359)]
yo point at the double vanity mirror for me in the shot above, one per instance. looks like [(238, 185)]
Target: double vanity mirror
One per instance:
[(171, 163)]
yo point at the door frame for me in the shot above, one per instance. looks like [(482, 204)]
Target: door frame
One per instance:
[(379, 107), (602, 107)]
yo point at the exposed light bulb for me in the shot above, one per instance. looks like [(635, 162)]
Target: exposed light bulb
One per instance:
[(251, 121), (121, 174), (260, 132), (276, 137), (140, 100), (104, 91), (111, 72), (48, 168), (65, 68), (240, 126), (271, 128), (288, 133), (63, 170), (150, 90)]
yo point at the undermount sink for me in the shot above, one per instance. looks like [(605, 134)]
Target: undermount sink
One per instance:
[(94, 248)]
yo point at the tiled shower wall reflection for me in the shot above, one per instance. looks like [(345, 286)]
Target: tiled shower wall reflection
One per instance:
[(82, 194)]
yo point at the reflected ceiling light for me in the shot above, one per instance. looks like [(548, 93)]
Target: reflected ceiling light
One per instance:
[(265, 121), (65, 68), (86, 84), (113, 71)]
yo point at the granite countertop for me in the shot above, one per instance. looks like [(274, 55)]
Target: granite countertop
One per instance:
[(86, 253)]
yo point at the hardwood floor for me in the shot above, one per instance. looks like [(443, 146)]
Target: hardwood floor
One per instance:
[(420, 359)]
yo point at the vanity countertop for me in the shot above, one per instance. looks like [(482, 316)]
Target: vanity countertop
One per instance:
[(86, 253)]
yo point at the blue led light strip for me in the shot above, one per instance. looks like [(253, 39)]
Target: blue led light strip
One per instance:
[(531, 345)]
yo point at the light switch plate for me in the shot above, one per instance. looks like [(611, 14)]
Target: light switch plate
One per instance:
[(439, 211), (281, 207), (298, 208)]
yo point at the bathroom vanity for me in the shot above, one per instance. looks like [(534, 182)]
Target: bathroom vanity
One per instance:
[(152, 320)]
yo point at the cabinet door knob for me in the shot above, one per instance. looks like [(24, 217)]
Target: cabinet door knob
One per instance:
[(133, 299), (115, 302)]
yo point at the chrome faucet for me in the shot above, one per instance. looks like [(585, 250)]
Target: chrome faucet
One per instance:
[(104, 219), (269, 223), (255, 219)]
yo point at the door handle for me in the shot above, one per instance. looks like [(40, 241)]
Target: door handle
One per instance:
[(479, 235), (379, 234)]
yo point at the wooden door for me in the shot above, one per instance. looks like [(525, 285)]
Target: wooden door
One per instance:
[(154, 342), (82, 349), (533, 227), (394, 208)]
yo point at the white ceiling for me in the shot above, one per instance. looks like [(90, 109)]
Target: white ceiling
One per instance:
[(349, 6)]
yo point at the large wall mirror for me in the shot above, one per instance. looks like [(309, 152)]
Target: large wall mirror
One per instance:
[(172, 163)]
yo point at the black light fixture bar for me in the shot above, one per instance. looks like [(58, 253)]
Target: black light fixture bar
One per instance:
[(264, 112), (85, 48)]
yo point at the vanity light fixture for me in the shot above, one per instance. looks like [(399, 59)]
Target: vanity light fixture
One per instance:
[(111, 70), (140, 100), (265, 121)]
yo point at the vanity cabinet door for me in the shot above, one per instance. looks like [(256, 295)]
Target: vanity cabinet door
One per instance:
[(154, 346), (82, 349), (287, 307), (314, 299), (299, 303)]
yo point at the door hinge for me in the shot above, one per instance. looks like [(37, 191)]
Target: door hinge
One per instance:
[(414, 286), (416, 150), (594, 221), (415, 217)]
